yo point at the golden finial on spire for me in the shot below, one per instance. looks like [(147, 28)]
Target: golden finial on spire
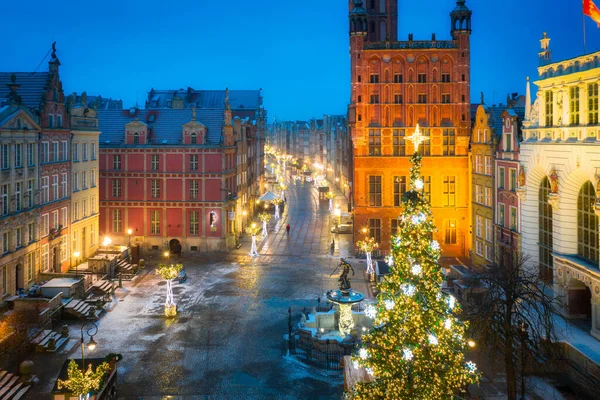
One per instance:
[(417, 138)]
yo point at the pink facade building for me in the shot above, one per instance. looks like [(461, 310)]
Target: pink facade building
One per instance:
[(509, 182)]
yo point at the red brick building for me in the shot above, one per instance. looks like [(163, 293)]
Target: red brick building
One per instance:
[(396, 85), (169, 175)]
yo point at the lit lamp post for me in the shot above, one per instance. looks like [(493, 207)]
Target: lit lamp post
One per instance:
[(91, 329), (244, 214), (76, 255), (129, 232), (167, 256), (106, 242)]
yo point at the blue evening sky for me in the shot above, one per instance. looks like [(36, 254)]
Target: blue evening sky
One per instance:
[(296, 51)]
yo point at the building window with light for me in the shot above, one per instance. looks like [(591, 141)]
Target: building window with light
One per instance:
[(449, 189), (488, 196), (155, 222), (478, 194), (501, 210), (117, 162), (116, 188), (501, 178), (193, 189), (488, 165), (374, 142), (375, 229), (426, 187), (155, 188), (194, 162), (154, 163), (399, 189), (375, 191), (194, 222), (574, 105), (549, 103), (450, 231), (394, 226), (449, 142), (593, 104), (117, 221), (587, 224), (399, 142), (545, 231), (425, 146)]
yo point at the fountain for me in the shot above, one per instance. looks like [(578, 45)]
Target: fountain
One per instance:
[(344, 298)]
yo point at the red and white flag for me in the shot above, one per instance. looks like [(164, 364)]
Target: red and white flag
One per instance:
[(591, 10)]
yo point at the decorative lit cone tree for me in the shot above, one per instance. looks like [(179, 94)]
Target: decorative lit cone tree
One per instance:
[(283, 187), (264, 217), (330, 196), (276, 202), (416, 348), (81, 384), (368, 245), (253, 230), (169, 272)]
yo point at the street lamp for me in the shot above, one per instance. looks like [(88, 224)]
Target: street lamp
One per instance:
[(107, 241), (167, 255), (91, 329), (129, 232), (76, 255)]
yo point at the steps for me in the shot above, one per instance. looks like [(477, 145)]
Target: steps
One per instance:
[(82, 310), (49, 341), (10, 387), (103, 286)]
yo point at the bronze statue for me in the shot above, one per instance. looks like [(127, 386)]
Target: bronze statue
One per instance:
[(344, 280)]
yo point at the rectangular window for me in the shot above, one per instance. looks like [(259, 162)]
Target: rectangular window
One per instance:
[(54, 187), (425, 147), (54, 223), (64, 217), (549, 108), (84, 153), (63, 249), (84, 208), (399, 142), (92, 236), (501, 214), (55, 154), (29, 266), (374, 142), (4, 198), (31, 232), (479, 227), (154, 162), (593, 104), (375, 191), (394, 226), (116, 188), (489, 252), (449, 190), (489, 230), (63, 149), (5, 156), (59, 121), (93, 151), (398, 99), (508, 142), (422, 78), (75, 181), (63, 186), (501, 178), (18, 196), (512, 179), (375, 229), (427, 187), (445, 77), (478, 194), (4, 286), (30, 154), (75, 210), (45, 152), (194, 223), (84, 181), (117, 221), (513, 218), (422, 98), (93, 205), (446, 98), (18, 155), (117, 162), (375, 98), (50, 121), (45, 258), (449, 142), (574, 105), (45, 225), (5, 242), (488, 165), (479, 248), (374, 78), (193, 189), (93, 178), (398, 78), (155, 222), (450, 231), (155, 188), (30, 193), (194, 162), (75, 152), (488, 196), (478, 164), (399, 189)]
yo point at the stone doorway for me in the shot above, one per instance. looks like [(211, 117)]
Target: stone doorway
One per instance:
[(175, 246), (19, 278), (579, 300)]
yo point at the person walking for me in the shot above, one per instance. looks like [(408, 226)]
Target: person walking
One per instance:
[(287, 229)]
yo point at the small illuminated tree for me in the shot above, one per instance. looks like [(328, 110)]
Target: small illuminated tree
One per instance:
[(283, 187), (81, 384), (368, 245), (169, 272), (264, 217), (330, 195), (276, 202), (253, 230)]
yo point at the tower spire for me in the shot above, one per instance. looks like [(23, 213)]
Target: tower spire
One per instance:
[(527, 100)]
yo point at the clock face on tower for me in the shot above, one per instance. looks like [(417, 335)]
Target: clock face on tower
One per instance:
[(386, 58)]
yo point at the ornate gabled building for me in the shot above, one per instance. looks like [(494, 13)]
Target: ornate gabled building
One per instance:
[(396, 85), (561, 181), (169, 175)]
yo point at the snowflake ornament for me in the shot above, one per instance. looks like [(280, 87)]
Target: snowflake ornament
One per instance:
[(448, 324), (409, 289), (390, 261), (433, 340), (416, 269), (389, 304), (355, 364), (435, 245), (417, 219), (363, 353), (471, 367), (419, 184), (370, 312), (407, 354), (451, 302), (370, 371)]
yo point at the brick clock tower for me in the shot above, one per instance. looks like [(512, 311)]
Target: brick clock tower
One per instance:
[(394, 86)]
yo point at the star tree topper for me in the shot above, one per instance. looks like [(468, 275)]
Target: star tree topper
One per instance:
[(417, 138)]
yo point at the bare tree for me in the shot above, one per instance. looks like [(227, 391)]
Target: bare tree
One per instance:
[(516, 315)]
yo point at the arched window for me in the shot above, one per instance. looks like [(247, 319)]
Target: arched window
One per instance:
[(372, 27), (136, 138), (545, 231), (194, 138), (382, 31), (587, 223)]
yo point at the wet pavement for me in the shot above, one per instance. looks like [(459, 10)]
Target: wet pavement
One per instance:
[(227, 340)]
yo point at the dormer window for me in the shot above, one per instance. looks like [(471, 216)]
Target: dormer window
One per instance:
[(51, 121), (194, 138), (136, 138)]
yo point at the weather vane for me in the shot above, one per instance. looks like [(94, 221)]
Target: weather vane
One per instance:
[(417, 138)]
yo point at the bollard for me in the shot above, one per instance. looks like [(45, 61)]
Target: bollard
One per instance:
[(120, 281)]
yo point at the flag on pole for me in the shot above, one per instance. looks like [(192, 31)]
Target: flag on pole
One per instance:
[(591, 10)]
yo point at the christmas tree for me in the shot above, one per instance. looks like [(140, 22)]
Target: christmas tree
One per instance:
[(416, 348)]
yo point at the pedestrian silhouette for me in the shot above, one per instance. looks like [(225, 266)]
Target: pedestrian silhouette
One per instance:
[(287, 229)]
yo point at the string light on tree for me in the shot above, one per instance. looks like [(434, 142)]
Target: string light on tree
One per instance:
[(417, 349)]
